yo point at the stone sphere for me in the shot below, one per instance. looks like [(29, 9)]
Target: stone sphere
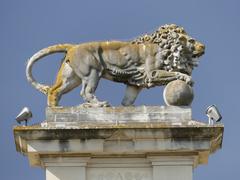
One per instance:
[(178, 93)]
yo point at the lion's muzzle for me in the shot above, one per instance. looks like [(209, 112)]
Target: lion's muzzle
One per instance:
[(199, 49)]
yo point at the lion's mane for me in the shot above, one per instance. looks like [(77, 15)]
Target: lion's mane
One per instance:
[(177, 52)]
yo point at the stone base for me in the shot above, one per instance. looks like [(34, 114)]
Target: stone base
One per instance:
[(92, 148), (74, 117), (149, 168)]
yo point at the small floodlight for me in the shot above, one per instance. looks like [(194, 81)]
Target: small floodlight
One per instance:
[(213, 114), (24, 115)]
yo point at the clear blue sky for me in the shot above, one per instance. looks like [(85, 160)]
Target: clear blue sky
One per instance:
[(27, 26)]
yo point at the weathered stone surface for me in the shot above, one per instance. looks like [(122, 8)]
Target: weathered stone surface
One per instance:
[(142, 147), (172, 140), (78, 116)]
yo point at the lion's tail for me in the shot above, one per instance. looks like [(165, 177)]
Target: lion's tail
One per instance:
[(40, 54)]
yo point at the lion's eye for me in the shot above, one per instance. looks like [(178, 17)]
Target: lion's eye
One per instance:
[(191, 40)]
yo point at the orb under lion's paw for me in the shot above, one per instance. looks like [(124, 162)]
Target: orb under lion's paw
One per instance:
[(178, 93)]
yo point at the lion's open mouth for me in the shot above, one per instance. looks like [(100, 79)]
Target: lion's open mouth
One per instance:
[(197, 54)]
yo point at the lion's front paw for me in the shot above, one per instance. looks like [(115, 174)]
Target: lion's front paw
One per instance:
[(186, 78)]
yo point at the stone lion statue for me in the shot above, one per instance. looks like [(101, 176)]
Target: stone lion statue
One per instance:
[(150, 60)]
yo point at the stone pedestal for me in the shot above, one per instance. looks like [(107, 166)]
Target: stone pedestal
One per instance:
[(142, 143)]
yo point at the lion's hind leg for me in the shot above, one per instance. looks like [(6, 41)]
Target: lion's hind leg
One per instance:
[(65, 82), (89, 85)]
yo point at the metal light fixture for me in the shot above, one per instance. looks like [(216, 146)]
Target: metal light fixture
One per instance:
[(24, 115), (213, 114)]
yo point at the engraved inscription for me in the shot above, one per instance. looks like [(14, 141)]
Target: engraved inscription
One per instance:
[(119, 174)]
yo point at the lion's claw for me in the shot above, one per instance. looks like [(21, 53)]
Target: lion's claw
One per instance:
[(186, 78)]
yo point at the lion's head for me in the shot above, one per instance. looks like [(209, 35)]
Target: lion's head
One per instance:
[(179, 51)]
